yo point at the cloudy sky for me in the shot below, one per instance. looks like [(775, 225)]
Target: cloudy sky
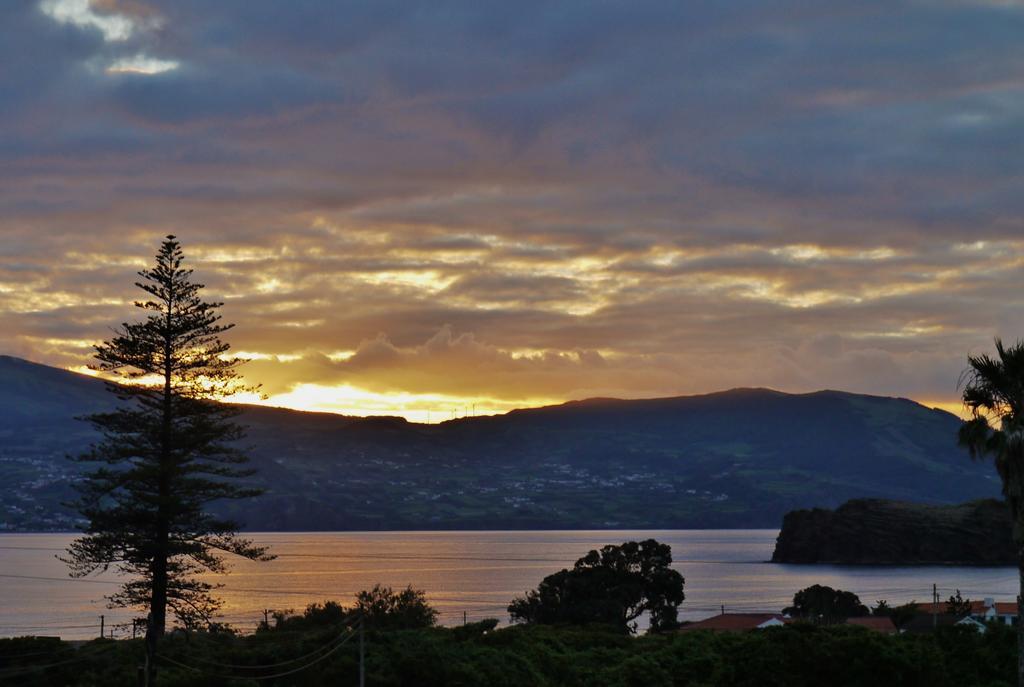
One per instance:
[(425, 207)]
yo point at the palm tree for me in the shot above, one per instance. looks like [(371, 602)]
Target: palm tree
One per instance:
[(993, 391)]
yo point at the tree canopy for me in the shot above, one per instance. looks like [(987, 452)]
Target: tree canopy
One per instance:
[(825, 605), (380, 608), (615, 586), (384, 608), (993, 392), (957, 605), (900, 615)]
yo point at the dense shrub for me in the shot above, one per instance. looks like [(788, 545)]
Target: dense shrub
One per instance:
[(793, 656)]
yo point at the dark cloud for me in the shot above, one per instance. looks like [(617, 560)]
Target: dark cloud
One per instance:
[(553, 199)]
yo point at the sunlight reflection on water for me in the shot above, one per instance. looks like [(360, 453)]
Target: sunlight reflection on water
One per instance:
[(476, 573)]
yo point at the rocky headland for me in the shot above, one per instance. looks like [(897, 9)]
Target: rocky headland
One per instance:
[(883, 532)]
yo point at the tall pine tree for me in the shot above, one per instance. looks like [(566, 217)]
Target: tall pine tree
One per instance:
[(166, 453)]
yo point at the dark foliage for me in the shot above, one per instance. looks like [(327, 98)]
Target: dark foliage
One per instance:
[(546, 656), (613, 586), (317, 616), (825, 606), (993, 392), (380, 608), (383, 608), (901, 615), (957, 605)]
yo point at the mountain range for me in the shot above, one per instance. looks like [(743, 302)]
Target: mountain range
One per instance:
[(739, 458)]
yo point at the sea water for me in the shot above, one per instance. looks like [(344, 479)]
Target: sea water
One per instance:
[(467, 576)]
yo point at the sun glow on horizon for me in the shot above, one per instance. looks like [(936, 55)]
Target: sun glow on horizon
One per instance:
[(345, 399), (432, 408), (955, 407)]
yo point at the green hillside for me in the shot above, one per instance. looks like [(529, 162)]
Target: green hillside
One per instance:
[(740, 458)]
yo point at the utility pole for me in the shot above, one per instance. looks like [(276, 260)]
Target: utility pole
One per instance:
[(463, 617), (935, 605), (266, 618), (102, 622), (362, 654)]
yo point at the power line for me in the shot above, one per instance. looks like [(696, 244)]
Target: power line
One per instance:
[(20, 670), (57, 579), (262, 677), (50, 622), (48, 627), (55, 650), (76, 616), (264, 666)]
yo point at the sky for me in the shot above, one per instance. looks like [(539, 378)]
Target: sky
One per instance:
[(434, 209)]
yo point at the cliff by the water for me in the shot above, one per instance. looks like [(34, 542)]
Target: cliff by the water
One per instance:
[(881, 532)]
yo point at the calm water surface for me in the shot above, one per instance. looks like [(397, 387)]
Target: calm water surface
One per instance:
[(471, 573)]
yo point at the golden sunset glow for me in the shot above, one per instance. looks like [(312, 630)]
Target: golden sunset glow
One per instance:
[(349, 400), (390, 241), (442, 372), (955, 407)]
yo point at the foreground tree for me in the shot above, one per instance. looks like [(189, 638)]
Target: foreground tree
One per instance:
[(380, 608), (167, 452), (615, 585), (957, 605), (826, 606), (900, 615), (383, 608), (993, 392)]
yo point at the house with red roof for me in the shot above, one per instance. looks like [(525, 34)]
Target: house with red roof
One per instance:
[(990, 609), (737, 622), (877, 623), (985, 611)]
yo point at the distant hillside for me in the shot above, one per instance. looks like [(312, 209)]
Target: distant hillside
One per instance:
[(878, 532), (740, 458)]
